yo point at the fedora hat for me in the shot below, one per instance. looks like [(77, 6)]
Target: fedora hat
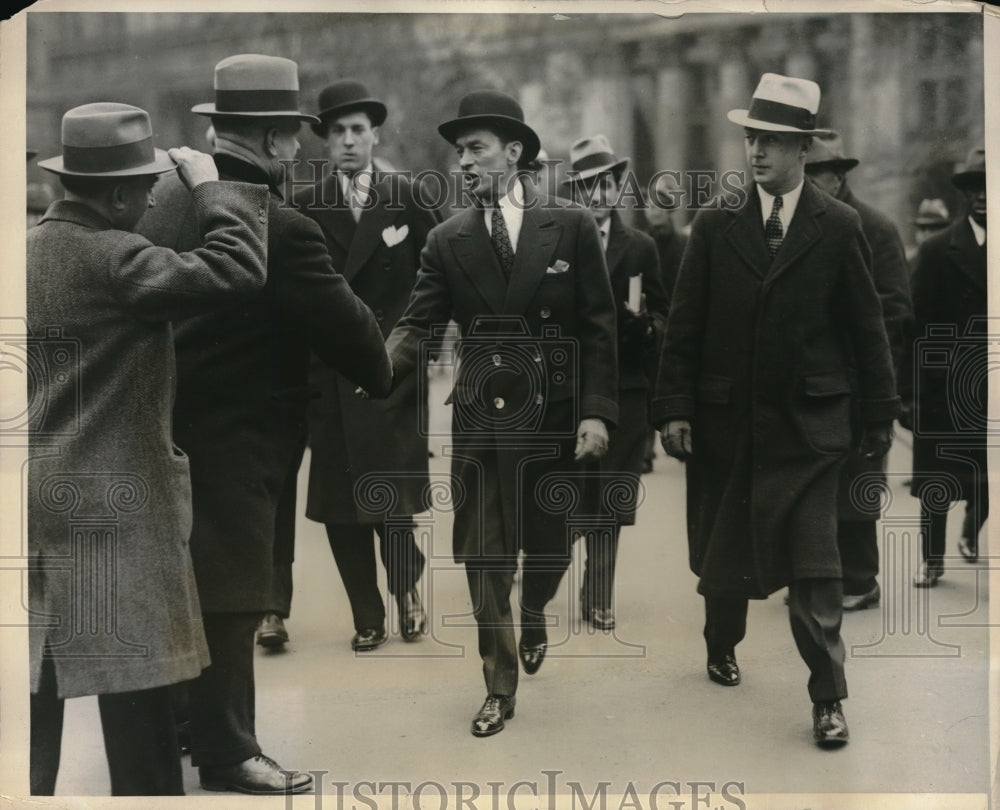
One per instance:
[(251, 85), (344, 96), (781, 104), (485, 108), (590, 157), (973, 174), (827, 152), (931, 213), (107, 139)]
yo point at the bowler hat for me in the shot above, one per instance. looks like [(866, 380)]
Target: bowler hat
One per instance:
[(781, 104), (973, 173), (252, 85), (107, 139), (344, 96), (827, 152), (931, 213), (486, 108), (590, 157)]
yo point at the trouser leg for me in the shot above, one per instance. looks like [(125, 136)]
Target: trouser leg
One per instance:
[(541, 576), (933, 524), (977, 509), (489, 588), (815, 609), (281, 590), (46, 732), (401, 556), (725, 624), (857, 541), (354, 552), (599, 570)]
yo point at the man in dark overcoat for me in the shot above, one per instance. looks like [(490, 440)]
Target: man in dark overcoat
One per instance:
[(595, 180), (945, 379), (375, 231), (116, 610), (857, 535), (241, 400), (525, 280), (775, 325)]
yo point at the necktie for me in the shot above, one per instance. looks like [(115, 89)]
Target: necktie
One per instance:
[(772, 228), (353, 200), (501, 243)]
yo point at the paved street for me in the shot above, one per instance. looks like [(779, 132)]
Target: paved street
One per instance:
[(634, 707)]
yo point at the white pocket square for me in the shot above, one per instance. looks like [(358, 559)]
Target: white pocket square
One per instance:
[(559, 267), (393, 235)]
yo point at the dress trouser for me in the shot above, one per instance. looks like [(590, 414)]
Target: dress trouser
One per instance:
[(934, 523), (284, 537), (354, 553), (599, 570), (857, 541), (140, 740), (815, 609)]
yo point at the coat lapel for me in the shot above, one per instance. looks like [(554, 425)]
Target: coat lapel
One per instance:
[(333, 216), (746, 234), (474, 253), (618, 241), (368, 232), (964, 250), (535, 246), (803, 231)]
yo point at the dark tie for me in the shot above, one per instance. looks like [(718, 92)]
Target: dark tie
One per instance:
[(501, 243), (772, 228)]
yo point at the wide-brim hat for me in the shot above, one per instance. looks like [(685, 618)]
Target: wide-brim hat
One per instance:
[(781, 104), (486, 108), (107, 139), (590, 157), (252, 85), (346, 96), (827, 152), (932, 213), (973, 172)]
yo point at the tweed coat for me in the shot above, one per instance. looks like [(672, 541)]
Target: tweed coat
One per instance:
[(945, 374), (242, 389), (536, 356), (353, 439), (892, 282), (109, 494), (759, 356)]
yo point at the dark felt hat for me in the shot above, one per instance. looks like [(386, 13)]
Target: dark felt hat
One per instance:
[(345, 96), (252, 85), (827, 152), (973, 174), (491, 108)]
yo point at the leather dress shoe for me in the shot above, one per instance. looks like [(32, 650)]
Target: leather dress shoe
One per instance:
[(724, 670), (860, 601), (412, 619), (259, 775), (601, 619), (928, 575), (531, 649), (967, 547), (489, 719), (271, 631), (829, 725), (368, 638)]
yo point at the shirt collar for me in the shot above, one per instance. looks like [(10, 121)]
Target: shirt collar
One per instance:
[(345, 179), (789, 202), (513, 198), (978, 231)]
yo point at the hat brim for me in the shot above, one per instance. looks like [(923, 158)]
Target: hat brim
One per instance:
[(450, 130), (377, 112), (837, 164), (161, 163), (743, 118), (209, 109), (966, 180), (578, 177)]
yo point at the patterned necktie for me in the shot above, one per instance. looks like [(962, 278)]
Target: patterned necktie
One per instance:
[(773, 232), (501, 243)]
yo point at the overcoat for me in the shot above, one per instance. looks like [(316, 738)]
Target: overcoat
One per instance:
[(242, 388), (109, 495), (758, 356), (536, 355), (946, 373), (354, 439)]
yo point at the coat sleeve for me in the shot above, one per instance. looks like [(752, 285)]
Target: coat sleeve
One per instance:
[(160, 284), (926, 310), (892, 281), (339, 327), (657, 303)]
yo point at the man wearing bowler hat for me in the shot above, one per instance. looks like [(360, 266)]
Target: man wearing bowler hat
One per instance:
[(775, 329), (375, 231), (944, 380), (100, 299), (241, 400), (524, 277), (857, 536), (641, 306)]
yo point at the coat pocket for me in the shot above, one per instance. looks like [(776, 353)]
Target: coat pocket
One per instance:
[(825, 411)]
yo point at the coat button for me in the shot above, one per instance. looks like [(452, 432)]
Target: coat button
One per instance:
[(537, 358), (539, 399), (497, 360), (262, 214), (387, 266), (498, 403), (379, 314), (545, 312)]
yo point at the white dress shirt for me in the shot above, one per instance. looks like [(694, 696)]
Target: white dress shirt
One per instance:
[(789, 202), (357, 189), (978, 231), (512, 211)]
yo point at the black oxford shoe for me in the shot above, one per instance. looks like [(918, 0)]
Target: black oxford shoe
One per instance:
[(724, 670), (602, 619), (369, 638), (412, 619), (259, 775), (271, 631), (489, 719), (928, 575), (861, 601), (968, 549), (829, 725)]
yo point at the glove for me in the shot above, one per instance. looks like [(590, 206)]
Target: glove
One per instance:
[(676, 439), (591, 440), (876, 441), (634, 331)]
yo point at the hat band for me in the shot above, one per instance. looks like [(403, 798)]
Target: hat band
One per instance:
[(256, 100), (594, 160), (787, 115), (92, 159)]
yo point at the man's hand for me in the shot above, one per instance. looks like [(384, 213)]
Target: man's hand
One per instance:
[(194, 167), (676, 439), (591, 439), (876, 441)]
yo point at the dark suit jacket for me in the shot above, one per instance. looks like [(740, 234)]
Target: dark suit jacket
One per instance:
[(242, 387)]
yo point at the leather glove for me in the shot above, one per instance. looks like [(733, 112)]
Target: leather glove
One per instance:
[(634, 331), (591, 439), (876, 441), (676, 439)]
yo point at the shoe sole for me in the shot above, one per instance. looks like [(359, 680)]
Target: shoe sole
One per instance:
[(228, 787), (834, 742), (861, 606), (506, 716), (722, 682), (272, 641), (368, 647)]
